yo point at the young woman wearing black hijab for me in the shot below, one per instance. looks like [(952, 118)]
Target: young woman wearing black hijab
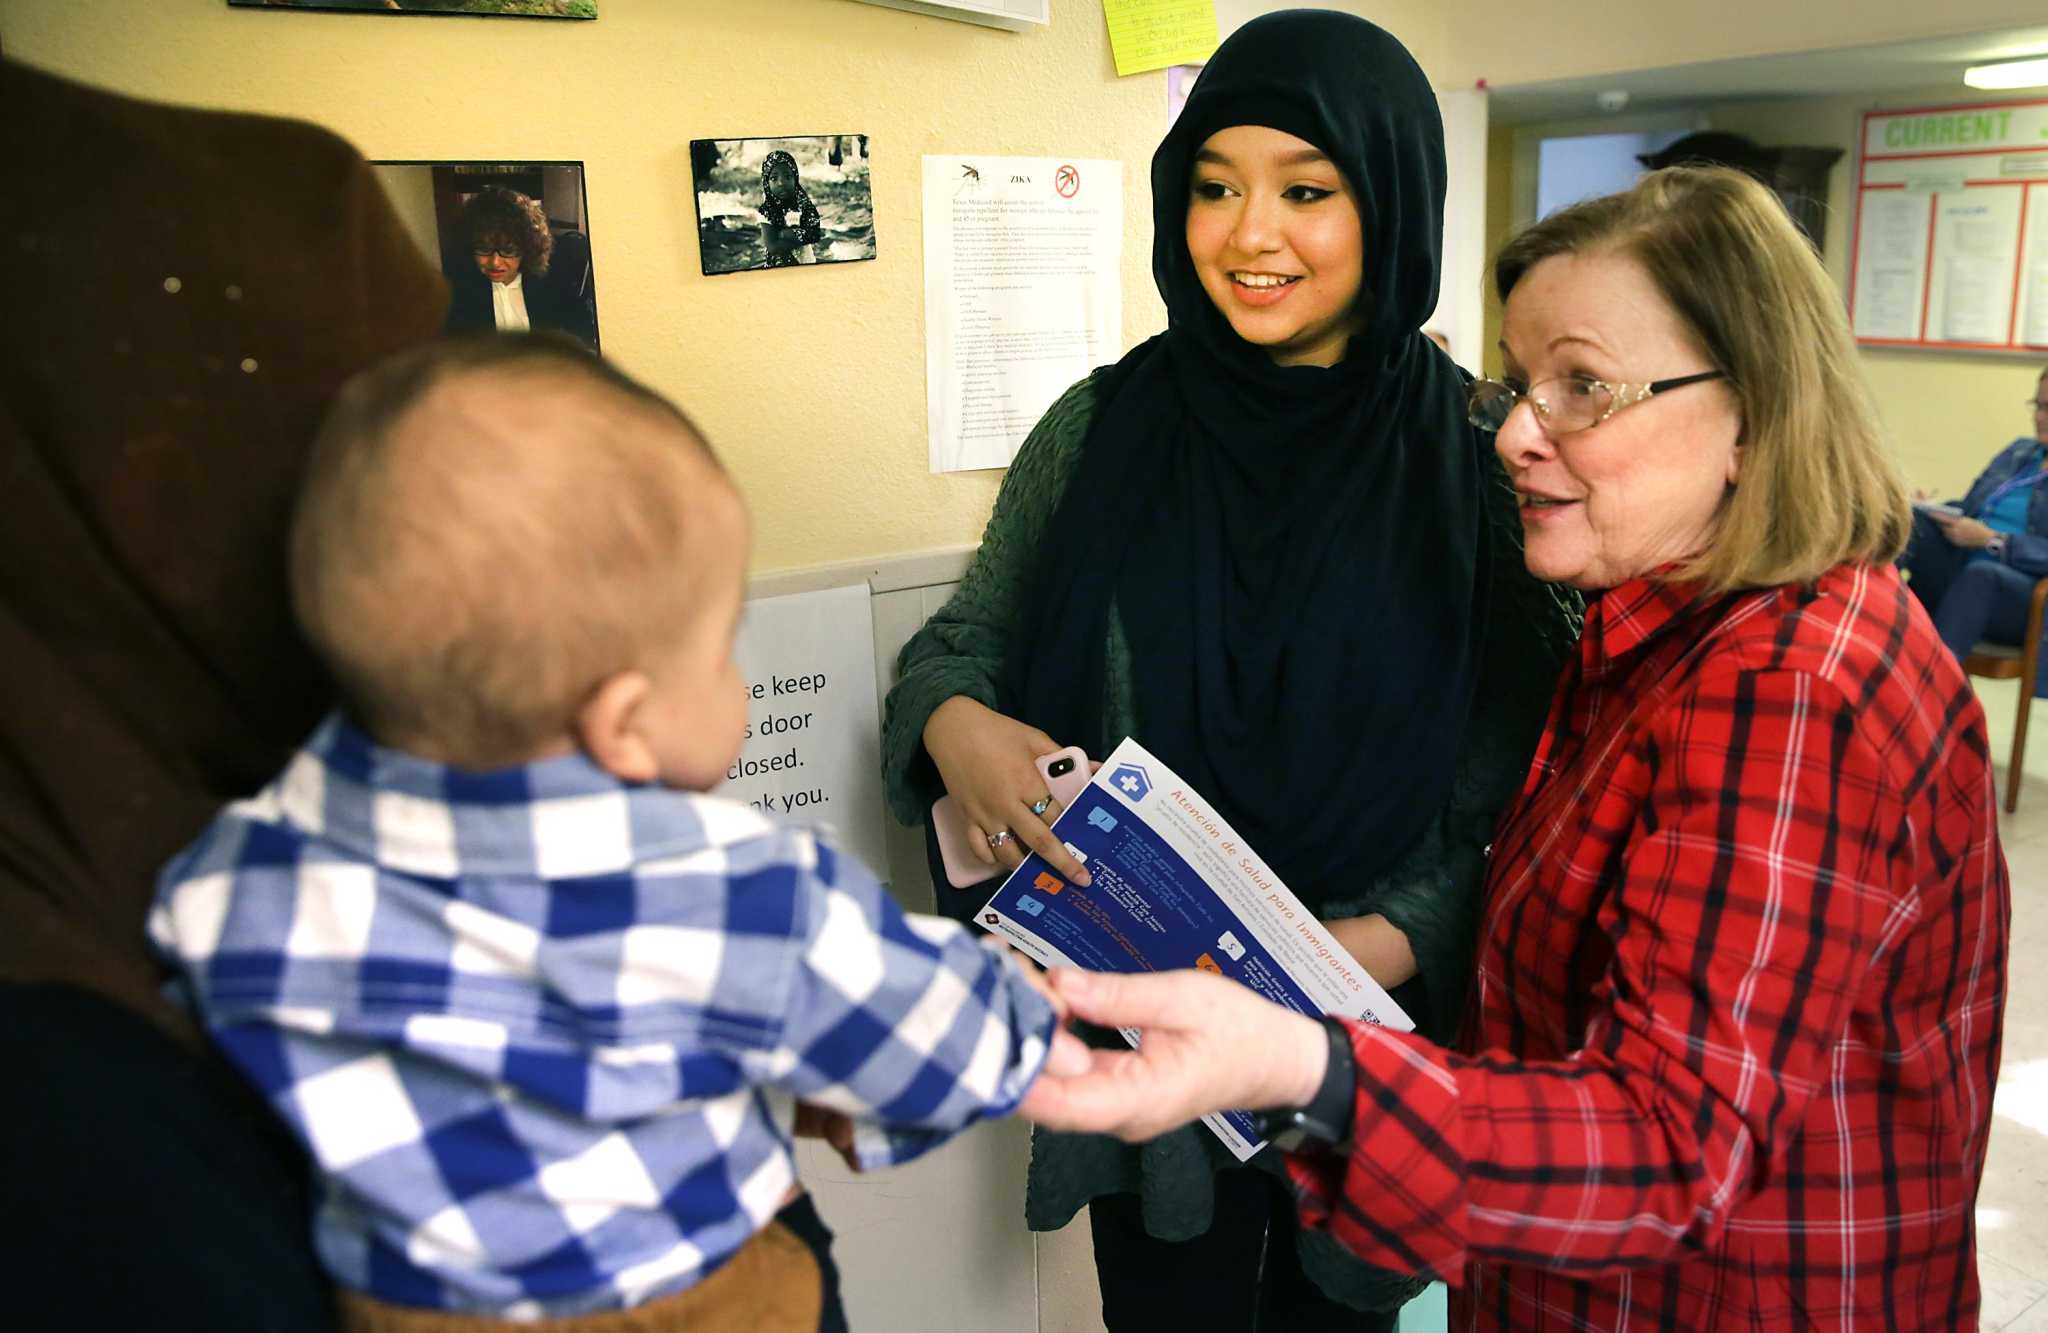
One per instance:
[(1267, 544)]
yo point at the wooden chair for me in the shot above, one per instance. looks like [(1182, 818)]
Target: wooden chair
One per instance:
[(1997, 661)]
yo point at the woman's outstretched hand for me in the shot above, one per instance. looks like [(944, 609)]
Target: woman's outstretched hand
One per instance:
[(1208, 1044), (988, 763)]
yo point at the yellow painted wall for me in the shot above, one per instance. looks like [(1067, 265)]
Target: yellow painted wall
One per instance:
[(1425, 27), (1500, 224), (810, 381)]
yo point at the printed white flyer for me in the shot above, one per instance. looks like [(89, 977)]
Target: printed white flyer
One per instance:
[(1023, 294)]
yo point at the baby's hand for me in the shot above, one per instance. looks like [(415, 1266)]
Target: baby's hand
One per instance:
[(1029, 970), (834, 1127), (1069, 1056)]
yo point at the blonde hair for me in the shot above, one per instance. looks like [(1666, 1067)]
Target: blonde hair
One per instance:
[(487, 529), (1819, 483)]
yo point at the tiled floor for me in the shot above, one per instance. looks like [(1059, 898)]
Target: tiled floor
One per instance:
[(2012, 1212)]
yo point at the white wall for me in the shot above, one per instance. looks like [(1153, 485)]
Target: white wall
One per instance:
[(1460, 311)]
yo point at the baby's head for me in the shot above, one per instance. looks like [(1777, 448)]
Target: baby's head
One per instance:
[(505, 549)]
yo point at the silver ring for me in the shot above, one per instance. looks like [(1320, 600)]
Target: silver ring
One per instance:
[(1040, 806), (999, 837)]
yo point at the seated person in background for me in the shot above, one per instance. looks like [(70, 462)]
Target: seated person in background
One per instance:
[(505, 281), (539, 1009), (1975, 573)]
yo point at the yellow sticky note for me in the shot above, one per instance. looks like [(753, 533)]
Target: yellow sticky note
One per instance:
[(1152, 34)]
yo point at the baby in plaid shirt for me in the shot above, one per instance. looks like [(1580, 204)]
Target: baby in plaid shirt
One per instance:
[(540, 1010)]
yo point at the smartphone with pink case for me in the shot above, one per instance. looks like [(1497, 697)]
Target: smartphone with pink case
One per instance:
[(1065, 772)]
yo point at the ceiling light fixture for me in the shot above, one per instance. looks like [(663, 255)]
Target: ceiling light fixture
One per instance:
[(2008, 74)]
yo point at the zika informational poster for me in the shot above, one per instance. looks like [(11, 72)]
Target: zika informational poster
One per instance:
[(1023, 294), (1175, 887)]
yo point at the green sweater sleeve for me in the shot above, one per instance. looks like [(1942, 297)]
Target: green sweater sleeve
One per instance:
[(962, 648), (1432, 894)]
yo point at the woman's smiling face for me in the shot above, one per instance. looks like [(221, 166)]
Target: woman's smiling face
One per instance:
[(1274, 232)]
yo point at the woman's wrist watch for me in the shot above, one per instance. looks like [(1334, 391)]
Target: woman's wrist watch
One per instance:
[(1325, 1122), (1996, 546)]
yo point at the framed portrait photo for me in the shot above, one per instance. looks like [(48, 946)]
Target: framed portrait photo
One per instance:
[(512, 238)]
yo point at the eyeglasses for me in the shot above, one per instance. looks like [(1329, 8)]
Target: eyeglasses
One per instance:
[(501, 251), (1568, 403), (2038, 404)]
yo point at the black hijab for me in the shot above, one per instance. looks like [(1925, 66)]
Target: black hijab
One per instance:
[(1297, 553)]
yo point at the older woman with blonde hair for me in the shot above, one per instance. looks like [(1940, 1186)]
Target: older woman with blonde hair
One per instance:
[(1742, 959)]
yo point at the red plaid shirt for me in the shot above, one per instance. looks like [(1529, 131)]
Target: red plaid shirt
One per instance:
[(1740, 983)]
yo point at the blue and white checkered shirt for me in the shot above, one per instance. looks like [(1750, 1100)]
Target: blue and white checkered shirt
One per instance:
[(543, 1031)]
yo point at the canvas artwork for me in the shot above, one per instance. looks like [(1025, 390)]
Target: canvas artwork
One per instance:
[(774, 203), (540, 9), (513, 239)]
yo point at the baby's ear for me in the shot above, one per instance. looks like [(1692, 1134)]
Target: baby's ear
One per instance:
[(609, 728)]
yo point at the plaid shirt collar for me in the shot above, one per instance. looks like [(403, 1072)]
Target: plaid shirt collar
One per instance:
[(405, 813), (1629, 616)]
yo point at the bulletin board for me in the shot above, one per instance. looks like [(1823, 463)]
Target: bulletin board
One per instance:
[(1951, 243)]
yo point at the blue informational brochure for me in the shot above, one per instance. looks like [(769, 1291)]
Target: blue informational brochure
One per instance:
[(1175, 887)]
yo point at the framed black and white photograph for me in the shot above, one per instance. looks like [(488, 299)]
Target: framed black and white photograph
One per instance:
[(513, 239), (533, 9), (774, 203)]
